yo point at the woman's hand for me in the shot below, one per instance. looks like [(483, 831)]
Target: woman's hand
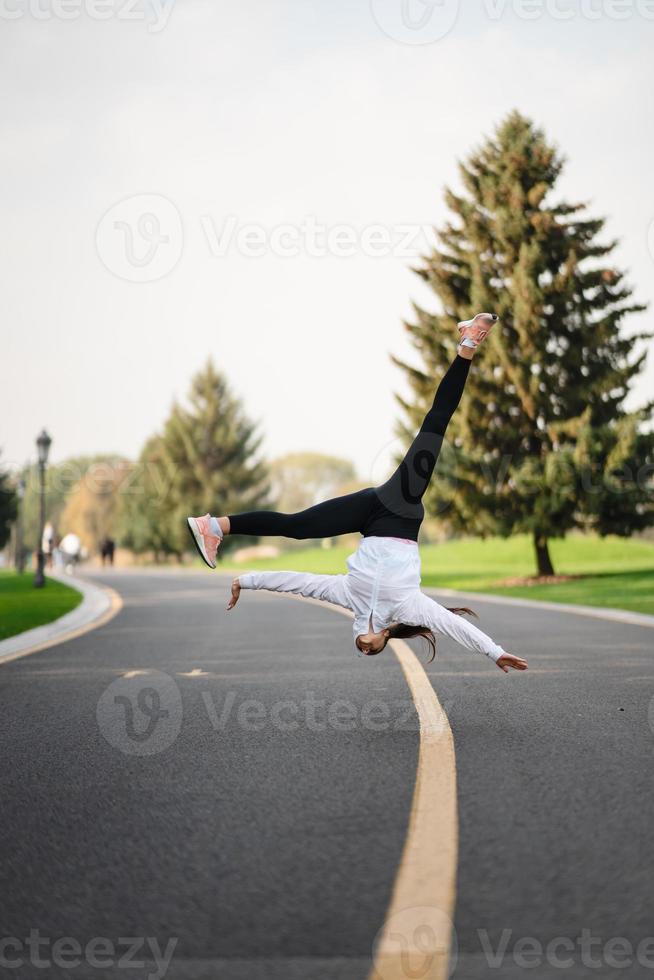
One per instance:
[(508, 660), (236, 591)]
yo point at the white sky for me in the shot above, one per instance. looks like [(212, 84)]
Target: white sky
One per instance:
[(274, 112)]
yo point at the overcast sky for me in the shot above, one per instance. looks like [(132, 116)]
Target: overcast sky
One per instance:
[(234, 134)]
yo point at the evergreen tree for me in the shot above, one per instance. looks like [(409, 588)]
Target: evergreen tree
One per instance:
[(206, 459), (8, 507), (542, 442), (145, 522)]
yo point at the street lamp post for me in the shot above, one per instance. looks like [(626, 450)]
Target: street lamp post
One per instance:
[(43, 444), (20, 549)]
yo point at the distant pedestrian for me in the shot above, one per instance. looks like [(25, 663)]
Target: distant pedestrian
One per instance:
[(48, 544), (382, 587), (70, 548), (107, 549)]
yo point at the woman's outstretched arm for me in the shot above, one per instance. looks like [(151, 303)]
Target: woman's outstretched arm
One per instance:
[(328, 588), (420, 610)]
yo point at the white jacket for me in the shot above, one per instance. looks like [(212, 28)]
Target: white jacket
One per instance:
[(382, 586)]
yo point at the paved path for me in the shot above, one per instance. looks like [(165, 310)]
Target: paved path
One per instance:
[(555, 772), (264, 838), (256, 809)]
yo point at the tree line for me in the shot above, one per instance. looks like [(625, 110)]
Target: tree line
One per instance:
[(542, 442)]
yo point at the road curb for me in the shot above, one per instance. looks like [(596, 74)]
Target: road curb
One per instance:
[(98, 606), (595, 612)]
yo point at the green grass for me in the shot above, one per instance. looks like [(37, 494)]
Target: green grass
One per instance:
[(616, 572), (22, 606)]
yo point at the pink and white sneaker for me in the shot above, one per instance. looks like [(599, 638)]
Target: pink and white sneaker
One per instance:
[(475, 330), (204, 539)]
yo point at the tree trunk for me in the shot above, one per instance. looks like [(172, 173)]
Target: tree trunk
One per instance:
[(543, 560)]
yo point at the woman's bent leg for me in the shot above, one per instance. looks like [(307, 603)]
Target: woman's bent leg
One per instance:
[(340, 515)]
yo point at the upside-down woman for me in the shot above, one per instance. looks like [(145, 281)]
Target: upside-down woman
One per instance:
[(382, 586)]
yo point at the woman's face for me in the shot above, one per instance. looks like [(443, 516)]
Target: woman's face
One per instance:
[(372, 643)]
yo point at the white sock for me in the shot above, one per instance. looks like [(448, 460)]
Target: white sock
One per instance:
[(215, 527)]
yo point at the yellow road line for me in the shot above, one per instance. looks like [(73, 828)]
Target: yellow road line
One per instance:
[(417, 936), (113, 610)]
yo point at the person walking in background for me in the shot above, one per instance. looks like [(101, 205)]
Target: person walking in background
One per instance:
[(48, 543), (107, 549), (70, 548), (382, 586)]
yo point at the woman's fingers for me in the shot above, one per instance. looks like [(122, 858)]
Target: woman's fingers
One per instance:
[(507, 661), (236, 591)]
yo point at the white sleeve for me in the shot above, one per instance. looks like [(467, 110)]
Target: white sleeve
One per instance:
[(423, 611), (329, 588)]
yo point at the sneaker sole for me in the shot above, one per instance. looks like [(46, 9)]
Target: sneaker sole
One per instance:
[(197, 541), (468, 323)]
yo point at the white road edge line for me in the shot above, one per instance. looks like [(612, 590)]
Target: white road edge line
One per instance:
[(98, 606), (595, 612)]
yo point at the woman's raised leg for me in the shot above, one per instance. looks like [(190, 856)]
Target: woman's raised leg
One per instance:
[(401, 495)]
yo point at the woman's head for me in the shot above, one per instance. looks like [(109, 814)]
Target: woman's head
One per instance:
[(371, 643)]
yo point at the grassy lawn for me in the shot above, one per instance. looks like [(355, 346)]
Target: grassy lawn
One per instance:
[(22, 606), (616, 572)]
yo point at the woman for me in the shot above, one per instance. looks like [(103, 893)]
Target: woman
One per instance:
[(382, 587)]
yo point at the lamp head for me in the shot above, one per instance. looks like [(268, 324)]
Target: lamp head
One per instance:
[(43, 444)]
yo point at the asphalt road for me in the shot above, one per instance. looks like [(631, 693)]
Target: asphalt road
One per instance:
[(555, 773), (234, 791), (263, 830)]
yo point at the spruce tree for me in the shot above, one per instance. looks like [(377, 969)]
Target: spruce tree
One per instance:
[(205, 459), (542, 442)]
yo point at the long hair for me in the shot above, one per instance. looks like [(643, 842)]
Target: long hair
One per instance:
[(402, 631)]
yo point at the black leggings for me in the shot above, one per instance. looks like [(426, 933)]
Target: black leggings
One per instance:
[(392, 510)]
